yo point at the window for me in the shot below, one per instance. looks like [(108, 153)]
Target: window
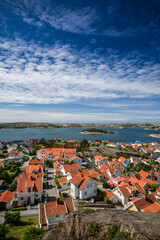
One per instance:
[(29, 189), (90, 184), (21, 198), (85, 193), (87, 185), (57, 216), (95, 191)]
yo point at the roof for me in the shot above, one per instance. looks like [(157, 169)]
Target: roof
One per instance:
[(33, 168), (143, 174), (55, 208), (30, 180), (75, 157), (36, 161), (59, 157), (143, 203), (125, 191), (71, 167), (62, 180), (14, 153), (138, 187), (154, 208), (109, 194), (6, 196)]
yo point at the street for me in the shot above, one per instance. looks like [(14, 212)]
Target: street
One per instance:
[(51, 188)]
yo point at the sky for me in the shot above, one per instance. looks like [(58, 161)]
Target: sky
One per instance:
[(80, 61)]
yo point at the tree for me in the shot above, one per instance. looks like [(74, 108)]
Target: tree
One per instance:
[(107, 200), (6, 176), (25, 158), (3, 231), (12, 218), (32, 233), (84, 144), (154, 187)]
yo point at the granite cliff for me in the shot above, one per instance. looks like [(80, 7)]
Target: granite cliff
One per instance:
[(107, 224)]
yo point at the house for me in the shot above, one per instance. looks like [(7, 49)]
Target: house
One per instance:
[(123, 194), (69, 168), (6, 200), (83, 187), (30, 187), (63, 182), (15, 155), (100, 159), (50, 213), (147, 204), (114, 172), (36, 161), (124, 161), (34, 169), (76, 159), (112, 197), (54, 152)]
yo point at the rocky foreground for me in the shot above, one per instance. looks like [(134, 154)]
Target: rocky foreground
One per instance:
[(107, 224)]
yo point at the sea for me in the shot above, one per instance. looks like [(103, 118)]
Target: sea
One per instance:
[(127, 135)]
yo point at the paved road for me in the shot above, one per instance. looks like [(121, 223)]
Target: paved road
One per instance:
[(25, 213), (51, 188), (90, 164)]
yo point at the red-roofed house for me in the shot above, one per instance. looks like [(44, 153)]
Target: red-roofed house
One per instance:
[(113, 198), (63, 182), (6, 200), (76, 159), (69, 168), (83, 187), (30, 187), (50, 213)]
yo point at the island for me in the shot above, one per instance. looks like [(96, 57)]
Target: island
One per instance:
[(96, 131), (154, 135), (16, 125), (154, 127)]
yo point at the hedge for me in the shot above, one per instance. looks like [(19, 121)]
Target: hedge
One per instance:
[(19, 209)]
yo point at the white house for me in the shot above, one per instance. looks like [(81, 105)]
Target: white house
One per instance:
[(14, 154), (83, 187), (123, 194), (30, 187), (112, 197), (50, 213)]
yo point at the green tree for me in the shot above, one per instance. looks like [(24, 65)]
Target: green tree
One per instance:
[(32, 233), (84, 144), (3, 231), (6, 176), (107, 200), (154, 187), (12, 218)]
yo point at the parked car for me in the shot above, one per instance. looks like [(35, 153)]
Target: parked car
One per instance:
[(84, 164)]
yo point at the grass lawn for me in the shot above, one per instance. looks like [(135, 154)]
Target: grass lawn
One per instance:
[(16, 232)]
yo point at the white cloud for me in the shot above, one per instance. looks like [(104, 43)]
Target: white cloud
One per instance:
[(32, 73)]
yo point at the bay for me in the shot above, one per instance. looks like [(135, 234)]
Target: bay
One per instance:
[(122, 135)]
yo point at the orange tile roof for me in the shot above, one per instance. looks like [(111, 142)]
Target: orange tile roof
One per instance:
[(62, 180), (75, 157), (71, 167), (6, 196), (125, 191), (153, 208), (27, 179), (143, 174), (14, 153), (109, 194)]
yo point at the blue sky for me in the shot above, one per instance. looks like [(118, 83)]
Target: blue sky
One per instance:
[(80, 61)]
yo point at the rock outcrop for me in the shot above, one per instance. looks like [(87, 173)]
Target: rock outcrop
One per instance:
[(129, 225)]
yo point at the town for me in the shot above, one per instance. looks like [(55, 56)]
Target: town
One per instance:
[(49, 179)]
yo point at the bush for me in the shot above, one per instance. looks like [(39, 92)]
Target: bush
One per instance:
[(93, 228), (3, 231), (32, 233), (80, 207), (25, 158), (24, 204), (112, 231), (107, 200), (12, 218), (18, 209)]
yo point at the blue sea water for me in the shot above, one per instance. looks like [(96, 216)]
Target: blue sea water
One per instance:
[(122, 135)]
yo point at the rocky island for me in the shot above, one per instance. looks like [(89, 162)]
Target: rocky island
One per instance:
[(96, 131), (154, 135), (154, 127)]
